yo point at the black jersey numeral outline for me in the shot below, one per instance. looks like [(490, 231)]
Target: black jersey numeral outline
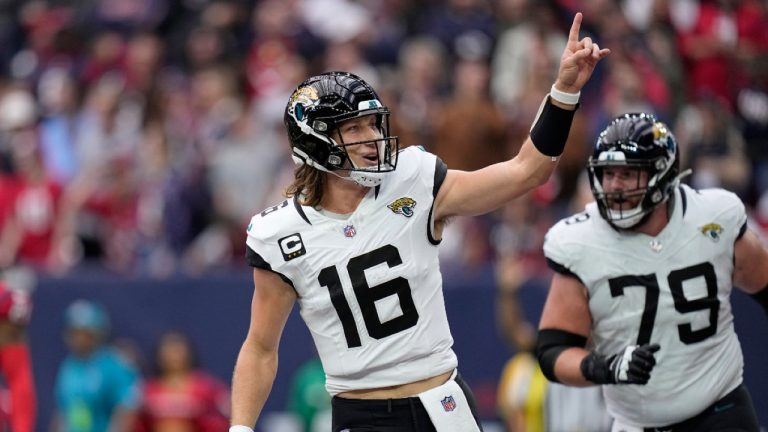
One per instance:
[(683, 305), (367, 296), (273, 209), (577, 218)]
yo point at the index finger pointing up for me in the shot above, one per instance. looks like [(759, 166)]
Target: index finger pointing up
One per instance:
[(574, 34)]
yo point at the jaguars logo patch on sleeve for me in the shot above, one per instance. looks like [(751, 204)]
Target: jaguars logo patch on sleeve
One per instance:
[(712, 231)]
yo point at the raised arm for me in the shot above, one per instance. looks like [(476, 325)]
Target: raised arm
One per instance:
[(257, 362), (484, 190)]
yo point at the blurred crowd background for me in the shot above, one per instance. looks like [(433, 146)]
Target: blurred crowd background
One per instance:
[(138, 137), (142, 135)]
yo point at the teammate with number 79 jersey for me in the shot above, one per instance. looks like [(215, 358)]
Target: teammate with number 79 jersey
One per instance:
[(645, 275)]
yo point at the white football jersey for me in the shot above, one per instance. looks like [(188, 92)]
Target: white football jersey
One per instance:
[(369, 286), (673, 289)]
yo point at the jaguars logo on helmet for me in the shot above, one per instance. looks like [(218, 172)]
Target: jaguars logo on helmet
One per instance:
[(301, 99)]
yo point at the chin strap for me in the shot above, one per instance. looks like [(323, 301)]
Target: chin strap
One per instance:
[(363, 178), (684, 174), (632, 221)]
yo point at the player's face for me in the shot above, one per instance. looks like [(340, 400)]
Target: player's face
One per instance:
[(624, 186), (361, 129)]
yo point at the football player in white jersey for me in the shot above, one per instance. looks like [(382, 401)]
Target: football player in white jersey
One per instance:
[(640, 298), (356, 246)]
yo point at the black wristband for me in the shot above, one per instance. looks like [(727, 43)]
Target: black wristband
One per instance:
[(762, 298), (596, 369), (550, 131)]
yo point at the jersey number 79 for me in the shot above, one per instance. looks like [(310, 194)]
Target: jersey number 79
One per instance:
[(683, 305)]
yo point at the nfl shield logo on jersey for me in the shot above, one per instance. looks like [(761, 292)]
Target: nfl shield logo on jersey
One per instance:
[(349, 231), (449, 404)]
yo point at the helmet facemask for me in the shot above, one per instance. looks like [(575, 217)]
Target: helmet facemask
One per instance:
[(375, 157), (649, 192)]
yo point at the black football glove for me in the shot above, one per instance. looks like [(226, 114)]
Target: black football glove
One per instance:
[(633, 365)]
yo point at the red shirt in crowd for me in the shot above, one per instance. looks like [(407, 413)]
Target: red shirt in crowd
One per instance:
[(197, 404)]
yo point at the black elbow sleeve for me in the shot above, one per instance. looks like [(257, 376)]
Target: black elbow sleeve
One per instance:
[(550, 344)]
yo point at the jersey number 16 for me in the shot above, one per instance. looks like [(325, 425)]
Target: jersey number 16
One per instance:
[(368, 295)]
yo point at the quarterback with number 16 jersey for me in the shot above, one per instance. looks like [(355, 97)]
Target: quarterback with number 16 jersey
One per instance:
[(672, 290), (368, 283)]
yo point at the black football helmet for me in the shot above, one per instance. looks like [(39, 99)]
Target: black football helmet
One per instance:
[(635, 140), (318, 106)]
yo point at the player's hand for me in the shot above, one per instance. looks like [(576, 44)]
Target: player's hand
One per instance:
[(633, 365), (579, 59)]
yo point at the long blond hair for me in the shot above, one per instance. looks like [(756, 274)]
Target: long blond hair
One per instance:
[(308, 185)]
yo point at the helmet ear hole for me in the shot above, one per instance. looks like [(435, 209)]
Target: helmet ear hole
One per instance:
[(337, 157)]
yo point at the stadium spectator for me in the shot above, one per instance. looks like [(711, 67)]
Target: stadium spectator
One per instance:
[(723, 34), (470, 128), (181, 397), (466, 28), (530, 44), (95, 390), (713, 147), (18, 406), (58, 95), (32, 229), (422, 78)]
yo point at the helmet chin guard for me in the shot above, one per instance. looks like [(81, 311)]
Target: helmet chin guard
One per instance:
[(360, 176), (627, 219), (368, 179)]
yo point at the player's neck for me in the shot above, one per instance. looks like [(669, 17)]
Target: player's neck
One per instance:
[(342, 196), (657, 220)]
